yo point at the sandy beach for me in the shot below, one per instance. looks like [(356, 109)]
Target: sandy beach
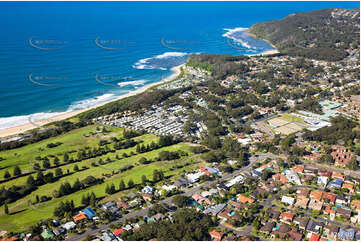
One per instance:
[(268, 52), (36, 124)]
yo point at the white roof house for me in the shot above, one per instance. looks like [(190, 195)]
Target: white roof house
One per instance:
[(194, 177), (69, 225), (293, 177), (288, 200)]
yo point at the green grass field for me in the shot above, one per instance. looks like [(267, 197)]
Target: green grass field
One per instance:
[(22, 215), (292, 118)]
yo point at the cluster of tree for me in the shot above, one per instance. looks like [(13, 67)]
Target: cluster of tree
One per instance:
[(128, 134), (311, 105), (65, 188), (16, 172), (125, 144), (14, 193), (187, 224), (146, 148), (158, 175), (65, 209), (220, 66), (52, 145), (316, 34), (89, 199), (171, 155), (342, 129)]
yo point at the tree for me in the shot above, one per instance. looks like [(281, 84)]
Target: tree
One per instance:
[(56, 161), (121, 185), (58, 172), (17, 171), (180, 201), (130, 183), (30, 181), (77, 185), (66, 157), (144, 180), (7, 175), (6, 209), (92, 200), (76, 168), (46, 164)]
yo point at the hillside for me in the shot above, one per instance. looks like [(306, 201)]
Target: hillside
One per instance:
[(328, 34)]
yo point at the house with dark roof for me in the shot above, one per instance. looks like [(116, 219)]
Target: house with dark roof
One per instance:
[(267, 228), (301, 222), (331, 231), (346, 213), (295, 235), (314, 226)]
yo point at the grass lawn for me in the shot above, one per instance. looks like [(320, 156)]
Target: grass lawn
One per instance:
[(292, 118), (24, 215)]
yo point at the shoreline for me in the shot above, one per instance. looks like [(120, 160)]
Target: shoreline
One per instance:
[(268, 52), (37, 124)]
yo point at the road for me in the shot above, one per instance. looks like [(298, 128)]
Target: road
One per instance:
[(346, 172), (168, 201)]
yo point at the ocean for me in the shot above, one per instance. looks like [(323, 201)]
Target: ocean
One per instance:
[(62, 56)]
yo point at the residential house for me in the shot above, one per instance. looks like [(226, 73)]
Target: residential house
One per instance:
[(349, 186), (282, 231), (280, 178), (243, 199), (147, 197), (69, 225), (216, 236), (201, 200), (331, 231), (123, 205), (301, 222), (274, 215), (215, 209), (299, 168), (314, 237), (58, 231), (79, 217), (329, 197), (294, 235), (346, 213), (316, 195), (267, 228), (330, 211), (47, 234), (342, 200), (287, 217), (302, 192), (337, 183), (89, 212), (355, 204), (337, 175), (314, 226), (346, 234), (288, 200), (118, 232), (315, 204), (292, 177), (110, 206), (302, 202)]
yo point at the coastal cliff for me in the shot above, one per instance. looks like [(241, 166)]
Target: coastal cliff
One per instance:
[(328, 34)]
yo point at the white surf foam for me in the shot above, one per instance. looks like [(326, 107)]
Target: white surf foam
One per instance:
[(133, 83), (230, 34), (146, 63)]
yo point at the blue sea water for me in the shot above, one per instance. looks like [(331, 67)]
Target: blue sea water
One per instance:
[(62, 56)]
